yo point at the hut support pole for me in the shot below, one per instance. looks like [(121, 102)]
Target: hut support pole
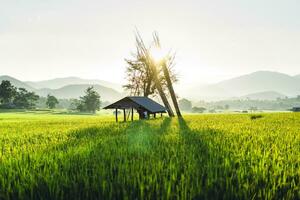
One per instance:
[(124, 115), (154, 115), (131, 114), (116, 114)]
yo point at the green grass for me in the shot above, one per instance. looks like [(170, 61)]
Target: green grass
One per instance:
[(228, 156)]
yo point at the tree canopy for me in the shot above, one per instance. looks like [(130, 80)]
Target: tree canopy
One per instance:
[(52, 101), (7, 92), (12, 97), (90, 102), (139, 74)]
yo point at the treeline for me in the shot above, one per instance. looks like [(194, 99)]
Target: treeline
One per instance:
[(282, 104), (12, 97), (18, 98)]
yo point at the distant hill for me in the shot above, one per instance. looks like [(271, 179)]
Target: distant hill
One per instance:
[(61, 82), (297, 76), (75, 91), (66, 92), (262, 81), (268, 95), (16, 82), (254, 83)]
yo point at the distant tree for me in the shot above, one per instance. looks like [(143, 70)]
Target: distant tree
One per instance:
[(253, 108), (198, 109), (90, 102), (185, 104), (226, 107), (298, 97), (25, 99), (212, 111), (51, 101), (7, 92), (74, 104), (219, 107)]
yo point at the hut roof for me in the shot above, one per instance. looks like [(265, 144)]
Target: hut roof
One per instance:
[(138, 102)]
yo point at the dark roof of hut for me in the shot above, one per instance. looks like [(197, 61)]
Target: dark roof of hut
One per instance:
[(138, 102)]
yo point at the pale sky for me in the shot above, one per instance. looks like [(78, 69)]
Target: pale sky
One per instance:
[(214, 40)]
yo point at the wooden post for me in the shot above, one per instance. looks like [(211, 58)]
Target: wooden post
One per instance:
[(131, 114), (116, 114), (124, 115), (154, 115)]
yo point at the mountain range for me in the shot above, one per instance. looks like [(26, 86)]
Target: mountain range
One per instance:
[(70, 87), (265, 84), (260, 85), (62, 82)]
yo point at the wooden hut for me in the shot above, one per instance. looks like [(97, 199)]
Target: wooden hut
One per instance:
[(143, 105)]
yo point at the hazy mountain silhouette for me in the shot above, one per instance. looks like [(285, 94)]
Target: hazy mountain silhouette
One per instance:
[(262, 81), (69, 91), (16, 82), (75, 91), (259, 83), (297, 76), (61, 82), (268, 95)]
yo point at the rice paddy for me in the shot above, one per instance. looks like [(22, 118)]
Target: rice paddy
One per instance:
[(221, 156)]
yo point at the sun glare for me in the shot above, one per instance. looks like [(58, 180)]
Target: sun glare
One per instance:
[(157, 54)]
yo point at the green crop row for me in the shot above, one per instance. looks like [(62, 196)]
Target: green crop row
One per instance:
[(230, 156)]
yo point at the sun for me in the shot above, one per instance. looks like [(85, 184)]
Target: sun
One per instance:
[(157, 54)]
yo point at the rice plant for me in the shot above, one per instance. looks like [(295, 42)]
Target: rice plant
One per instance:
[(225, 156)]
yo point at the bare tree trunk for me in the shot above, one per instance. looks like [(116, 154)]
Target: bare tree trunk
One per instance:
[(152, 69), (171, 89), (161, 92)]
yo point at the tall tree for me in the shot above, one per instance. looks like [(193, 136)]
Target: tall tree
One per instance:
[(7, 92), (51, 101), (163, 64), (90, 102), (144, 77)]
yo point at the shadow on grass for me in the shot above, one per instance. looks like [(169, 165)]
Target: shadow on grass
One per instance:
[(214, 181), (122, 160), (133, 160)]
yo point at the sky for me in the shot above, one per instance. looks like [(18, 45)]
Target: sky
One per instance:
[(213, 40)]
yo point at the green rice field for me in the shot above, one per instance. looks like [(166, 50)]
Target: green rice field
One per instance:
[(209, 156)]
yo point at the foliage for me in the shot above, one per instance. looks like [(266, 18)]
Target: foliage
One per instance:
[(7, 92), (51, 101), (90, 102), (25, 99), (200, 157), (11, 97), (279, 104), (139, 74), (198, 109)]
